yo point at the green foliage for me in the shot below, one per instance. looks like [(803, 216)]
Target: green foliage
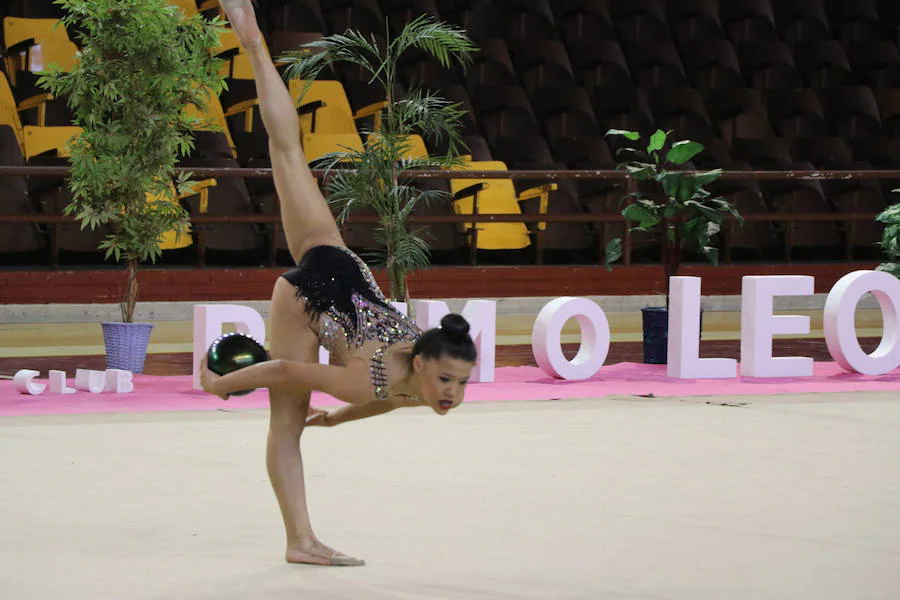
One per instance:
[(671, 202), (140, 64), (379, 177), (890, 239)]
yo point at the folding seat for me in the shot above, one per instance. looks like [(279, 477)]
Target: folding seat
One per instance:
[(492, 65), (530, 20), (655, 64), (400, 12), (889, 109), (584, 21), (34, 9), (682, 111), (295, 16), (845, 195), (852, 111), (768, 65), (600, 64), (762, 153), (881, 154), (503, 111), (31, 45), (754, 240), (747, 20), (19, 243), (565, 112), (738, 113), (582, 152), (522, 153), (446, 242), (796, 113), (889, 14), (855, 21), (625, 108), (823, 64), (802, 20), (226, 243), (428, 73), (477, 147), (695, 20), (491, 196), (541, 63), (807, 240), (363, 16), (641, 20), (875, 63), (712, 64)]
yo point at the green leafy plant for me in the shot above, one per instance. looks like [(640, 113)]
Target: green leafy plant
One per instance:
[(890, 239), (671, 201), (380, 175), (141, 62)]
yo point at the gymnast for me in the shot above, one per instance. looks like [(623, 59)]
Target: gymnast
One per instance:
[(380, 359)]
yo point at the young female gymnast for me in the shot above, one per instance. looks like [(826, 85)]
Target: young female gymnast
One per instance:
[(381, 360)]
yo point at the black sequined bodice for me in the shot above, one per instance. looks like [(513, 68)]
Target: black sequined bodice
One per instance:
[(340, 292)]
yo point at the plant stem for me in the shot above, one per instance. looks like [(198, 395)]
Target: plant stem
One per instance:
[(131, 291)]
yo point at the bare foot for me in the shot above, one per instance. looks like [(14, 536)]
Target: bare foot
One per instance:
[(317, 553), (242, 17)]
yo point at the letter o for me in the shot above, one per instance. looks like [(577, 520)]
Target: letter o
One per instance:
[(547, 332), (840, 326)]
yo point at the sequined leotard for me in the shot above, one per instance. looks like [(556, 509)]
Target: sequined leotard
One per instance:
[(341, 295)]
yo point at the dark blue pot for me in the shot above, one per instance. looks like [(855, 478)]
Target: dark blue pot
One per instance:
[(656, 334)]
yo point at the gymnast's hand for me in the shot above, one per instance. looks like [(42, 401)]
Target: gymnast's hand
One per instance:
[(318, 417), (208, 380)]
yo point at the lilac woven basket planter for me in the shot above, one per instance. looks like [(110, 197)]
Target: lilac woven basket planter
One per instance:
[(126, 345)]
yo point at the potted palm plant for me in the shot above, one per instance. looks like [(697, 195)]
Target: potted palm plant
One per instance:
[(140, 64), (890, 239), (380, 175), (674, 204)]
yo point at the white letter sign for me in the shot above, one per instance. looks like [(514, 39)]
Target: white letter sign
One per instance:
[(547, 332), (759, 325), (684, 336), (839, 322)]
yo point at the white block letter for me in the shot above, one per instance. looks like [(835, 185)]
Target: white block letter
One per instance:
[(482, 318), (840, 322), (118, 381), (208, 321), (58, 383), (90, 381), (546, 338), (684, 336), (23, 381), (758, 325)]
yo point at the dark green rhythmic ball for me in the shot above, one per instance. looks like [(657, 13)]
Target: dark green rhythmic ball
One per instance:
[(234, 351)]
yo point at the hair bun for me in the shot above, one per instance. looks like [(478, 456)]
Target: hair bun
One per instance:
[(455, 326)]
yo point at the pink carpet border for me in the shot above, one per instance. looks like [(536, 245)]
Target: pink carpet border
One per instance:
[(159, 394)]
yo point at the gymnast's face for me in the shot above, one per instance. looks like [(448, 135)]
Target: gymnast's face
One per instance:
[(443, 380)]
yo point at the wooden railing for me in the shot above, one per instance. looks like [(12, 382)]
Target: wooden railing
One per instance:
[(788, 221)]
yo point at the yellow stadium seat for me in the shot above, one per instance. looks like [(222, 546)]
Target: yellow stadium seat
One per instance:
[(415, 145), (44, 42), (316, 145), (42, 139), (495, 196), (214, 119)]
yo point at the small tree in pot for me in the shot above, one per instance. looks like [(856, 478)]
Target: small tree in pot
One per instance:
[(890, 239), (141, 62), (674, 204)]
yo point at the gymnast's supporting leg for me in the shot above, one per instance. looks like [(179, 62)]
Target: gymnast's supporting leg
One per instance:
[(292, 339), (305, 215)]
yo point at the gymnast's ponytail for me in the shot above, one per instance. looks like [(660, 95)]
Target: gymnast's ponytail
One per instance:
[(451, 339)]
